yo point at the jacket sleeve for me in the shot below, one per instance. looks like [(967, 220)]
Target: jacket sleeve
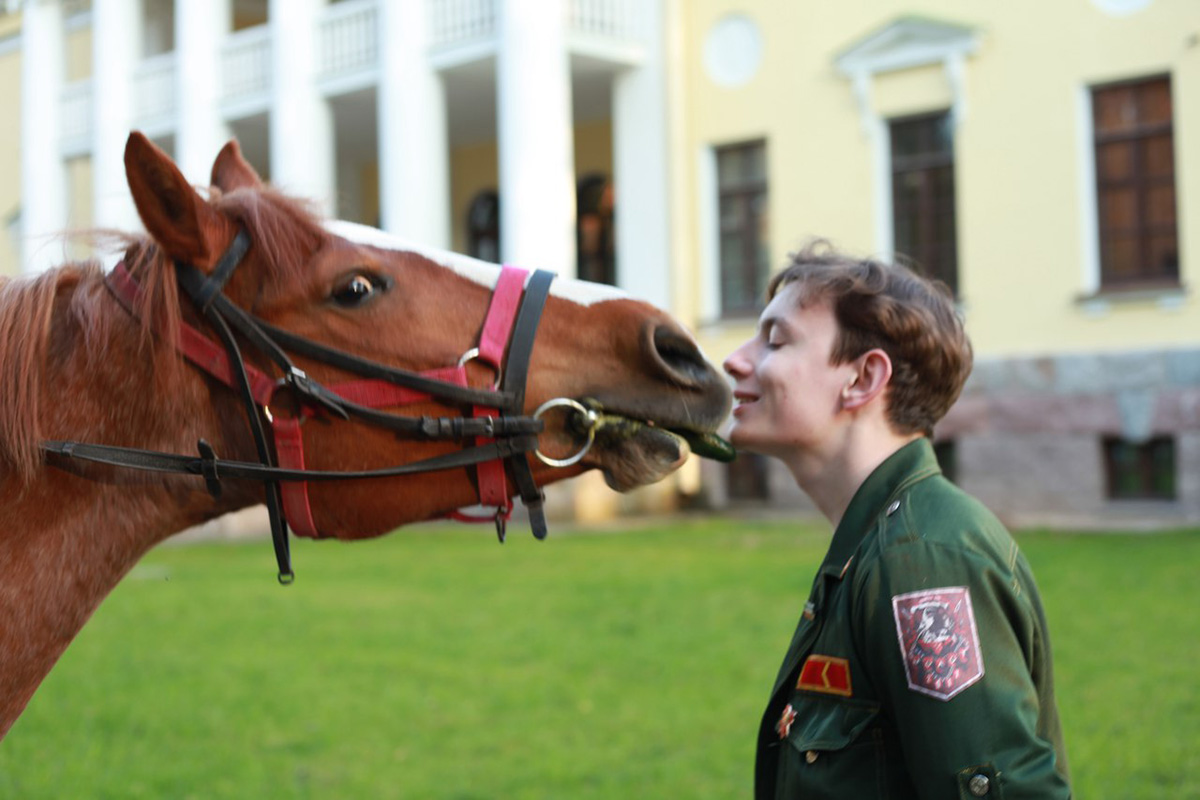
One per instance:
[(952, 646)]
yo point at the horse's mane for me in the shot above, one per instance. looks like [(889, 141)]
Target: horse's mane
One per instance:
[(283, 231)]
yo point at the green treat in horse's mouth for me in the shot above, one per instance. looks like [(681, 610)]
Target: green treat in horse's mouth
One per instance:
[(708, 445), (705, 445)]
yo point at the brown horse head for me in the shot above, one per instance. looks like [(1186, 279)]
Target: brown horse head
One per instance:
[(366, 293), (86, 361)]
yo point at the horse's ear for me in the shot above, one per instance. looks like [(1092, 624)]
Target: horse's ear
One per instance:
[(178, 218), (231, 171)]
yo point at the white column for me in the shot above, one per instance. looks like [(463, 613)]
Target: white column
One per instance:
[(43, 173), (414, 157), (641, 161), (536, 136), (879, 139), (200, 27), (301, 126), (116, 49)]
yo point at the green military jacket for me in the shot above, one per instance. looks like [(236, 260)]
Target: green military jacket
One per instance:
[(921, 665)]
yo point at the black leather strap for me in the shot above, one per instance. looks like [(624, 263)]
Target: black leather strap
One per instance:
[(514, 432), (449, 392), (516, 372), (179, 464), (273, 498), (214, 284)]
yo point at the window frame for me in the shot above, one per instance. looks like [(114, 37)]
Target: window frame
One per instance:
[(925, 250), (1145, 469), (751, 227), (1146, 276)]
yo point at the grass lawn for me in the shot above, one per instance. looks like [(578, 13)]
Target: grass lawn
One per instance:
[(436, 664)]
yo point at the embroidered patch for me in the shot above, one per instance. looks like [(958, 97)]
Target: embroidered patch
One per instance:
[(938, 640), (825, 674), (784, 726)]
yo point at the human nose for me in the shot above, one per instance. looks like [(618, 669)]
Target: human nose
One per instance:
[(737, 365)]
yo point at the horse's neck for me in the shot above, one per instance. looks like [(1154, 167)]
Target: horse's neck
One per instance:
[(64, 552), (70, 537)]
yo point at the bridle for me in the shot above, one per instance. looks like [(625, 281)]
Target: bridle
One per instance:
[(500, 434)]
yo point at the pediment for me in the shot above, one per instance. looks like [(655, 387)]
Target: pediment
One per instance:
[(907, 42)]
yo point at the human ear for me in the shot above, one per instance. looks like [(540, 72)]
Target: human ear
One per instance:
[(873, 372)]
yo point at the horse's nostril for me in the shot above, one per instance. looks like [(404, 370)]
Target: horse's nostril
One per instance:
[(680, 355)]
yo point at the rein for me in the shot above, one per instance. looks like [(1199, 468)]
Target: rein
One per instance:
[(501, 435)]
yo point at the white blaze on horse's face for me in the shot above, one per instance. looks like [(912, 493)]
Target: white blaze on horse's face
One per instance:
[(484, 273)]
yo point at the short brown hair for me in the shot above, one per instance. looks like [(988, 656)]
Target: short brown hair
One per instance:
[(889, 307)]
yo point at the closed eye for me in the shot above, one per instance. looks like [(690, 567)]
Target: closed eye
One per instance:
[(357, 288)]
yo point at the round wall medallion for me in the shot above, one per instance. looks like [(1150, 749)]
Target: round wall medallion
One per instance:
[(1121, 8), (733, 50)]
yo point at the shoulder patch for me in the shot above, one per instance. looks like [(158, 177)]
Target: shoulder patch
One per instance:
[(939, 643)]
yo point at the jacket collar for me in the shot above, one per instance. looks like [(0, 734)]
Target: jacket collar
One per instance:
[(912, 462)]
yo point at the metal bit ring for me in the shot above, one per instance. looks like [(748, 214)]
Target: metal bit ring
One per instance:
[(590, 419)]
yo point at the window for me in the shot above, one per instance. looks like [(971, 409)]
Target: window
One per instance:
[(483, 227), (923, 220), (1143, 471), (742, 211), (1135, 183), (595, 240)]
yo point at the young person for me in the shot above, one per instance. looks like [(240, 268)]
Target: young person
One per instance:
[(921, 664)]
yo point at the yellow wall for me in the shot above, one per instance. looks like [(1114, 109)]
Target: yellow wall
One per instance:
[(78, 54), (1020, 204), (10, 24)]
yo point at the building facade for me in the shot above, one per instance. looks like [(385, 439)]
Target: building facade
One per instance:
[(1039, 158)]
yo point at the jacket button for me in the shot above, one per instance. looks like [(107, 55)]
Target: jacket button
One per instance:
[(979, 785), (811, 756)]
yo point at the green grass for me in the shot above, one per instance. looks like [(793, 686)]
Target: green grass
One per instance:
[(437, 664)]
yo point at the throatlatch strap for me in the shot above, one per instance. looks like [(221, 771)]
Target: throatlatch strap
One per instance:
[(274, 501)]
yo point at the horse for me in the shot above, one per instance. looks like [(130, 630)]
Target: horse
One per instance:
[(400, 383)]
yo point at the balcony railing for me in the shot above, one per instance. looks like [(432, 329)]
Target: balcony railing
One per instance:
[(246, 66), (154, 91), (349, 44), (457, 22), (612, 19)]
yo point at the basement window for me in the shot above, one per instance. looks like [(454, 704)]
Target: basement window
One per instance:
[(1140, 470)]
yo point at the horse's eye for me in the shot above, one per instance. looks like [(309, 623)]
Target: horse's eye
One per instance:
[(357, 289)]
